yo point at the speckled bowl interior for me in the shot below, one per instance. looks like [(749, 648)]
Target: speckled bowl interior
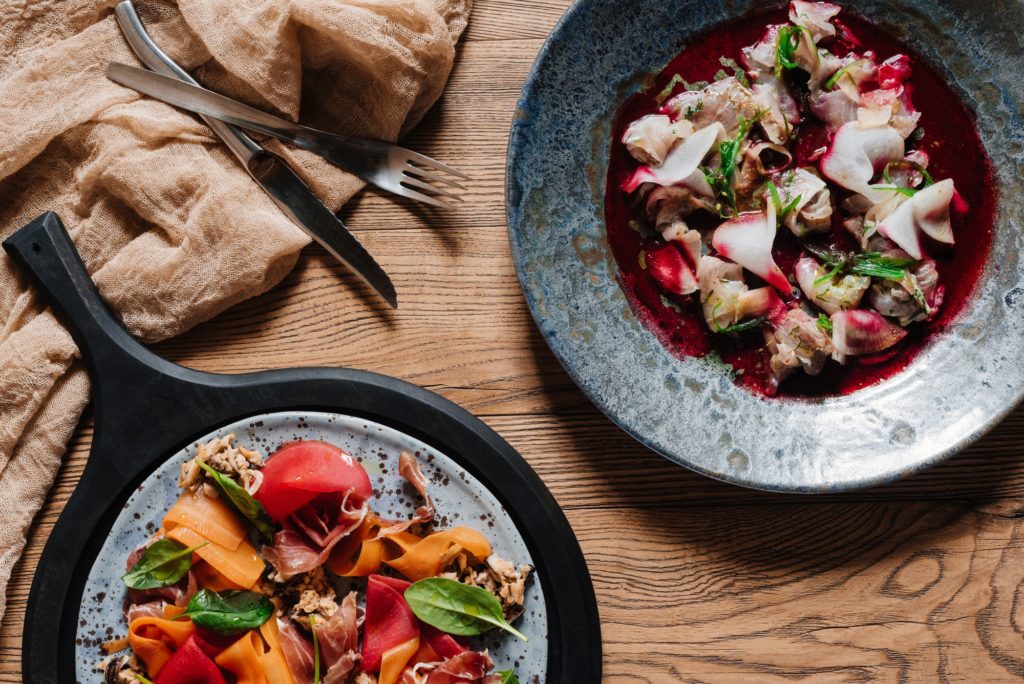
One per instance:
[(689, 410), (459, 497)]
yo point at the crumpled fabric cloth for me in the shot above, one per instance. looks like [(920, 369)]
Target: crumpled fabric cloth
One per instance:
[(168, 223)]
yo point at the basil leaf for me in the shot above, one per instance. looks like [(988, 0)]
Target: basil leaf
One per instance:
[(508, 676), (228, 612), (163, 564), (243, 502), (457, 608)]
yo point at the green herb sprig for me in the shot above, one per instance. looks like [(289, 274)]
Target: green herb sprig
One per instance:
[(781, 210), (228, 612), (457, 608), (873, 264), (243, 502), (825, 323), (742, 327), (720, 179), (163, 564), (508, 676), (786, 47)]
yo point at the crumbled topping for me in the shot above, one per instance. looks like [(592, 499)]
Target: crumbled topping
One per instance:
[(309, 593), (498, 576), (225, 457), (119, 670)]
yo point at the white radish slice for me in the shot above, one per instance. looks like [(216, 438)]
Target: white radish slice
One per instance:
[(927, 212), (816, 17), (748, 239), (859, 331), (668, 267), (682, 162), (857, 154)]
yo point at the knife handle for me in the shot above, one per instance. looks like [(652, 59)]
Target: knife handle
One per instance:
[(150, 54)]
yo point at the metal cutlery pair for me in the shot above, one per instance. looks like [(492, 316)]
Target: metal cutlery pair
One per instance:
[(389, 167)]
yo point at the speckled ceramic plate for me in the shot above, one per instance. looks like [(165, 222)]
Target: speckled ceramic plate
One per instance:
[(689, 410), (460, 499), (149, 413)]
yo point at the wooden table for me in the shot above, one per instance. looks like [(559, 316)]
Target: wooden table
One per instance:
[(697, 581)]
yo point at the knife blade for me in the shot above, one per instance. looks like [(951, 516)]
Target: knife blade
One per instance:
[(270, 172)]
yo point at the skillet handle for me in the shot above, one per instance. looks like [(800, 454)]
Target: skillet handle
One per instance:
[(44, 252)]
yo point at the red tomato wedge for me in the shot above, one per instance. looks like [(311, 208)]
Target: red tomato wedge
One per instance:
[(389, 621), (301, 471), (190, 665)]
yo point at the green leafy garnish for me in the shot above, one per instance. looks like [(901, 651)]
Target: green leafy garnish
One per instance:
[(669, 304), (695, 109), (163, 564), (737, 70), (508, 676), (242, 501), (781, 210), (825, 323), (786, 47), (316, 651), (742, 327), (228, 612), (720, 179), (873, 264), (669, 89), (834, 78), (457, 608)]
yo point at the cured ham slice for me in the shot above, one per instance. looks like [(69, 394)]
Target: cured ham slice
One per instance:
[(471, 667), (310, 534)]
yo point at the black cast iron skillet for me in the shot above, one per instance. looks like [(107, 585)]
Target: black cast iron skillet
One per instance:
[(147, 408)]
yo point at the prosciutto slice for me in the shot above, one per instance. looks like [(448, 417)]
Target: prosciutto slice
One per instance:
[(298, 651), (339, 641), (471, 667), (409, 469), (311, 533)]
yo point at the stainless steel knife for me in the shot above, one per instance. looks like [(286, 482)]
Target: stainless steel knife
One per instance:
[(276, 178)]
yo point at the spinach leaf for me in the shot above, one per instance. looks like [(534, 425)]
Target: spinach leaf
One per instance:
[(228, 612), (457, 608), (508, 676), (243, 502), (163, 564)]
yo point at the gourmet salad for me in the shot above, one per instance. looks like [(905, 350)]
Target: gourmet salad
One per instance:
[(241, 581), (811, 138)]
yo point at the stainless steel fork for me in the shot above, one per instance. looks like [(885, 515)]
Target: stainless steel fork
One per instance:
[(389, 167)]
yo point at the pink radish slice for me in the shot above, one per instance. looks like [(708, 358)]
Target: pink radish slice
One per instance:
[(763, 301), (859, 331), (857, 154), (747, 239), (669, 269), (682, 161), (926, 212), (686, 240)]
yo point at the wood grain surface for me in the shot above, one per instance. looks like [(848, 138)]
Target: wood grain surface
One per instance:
[(922, 580)]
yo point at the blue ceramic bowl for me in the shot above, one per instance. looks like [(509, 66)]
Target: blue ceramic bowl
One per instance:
[(689, 410)]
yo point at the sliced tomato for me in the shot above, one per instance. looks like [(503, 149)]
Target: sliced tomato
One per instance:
[(190, 665), (301, 471), (389, 621)]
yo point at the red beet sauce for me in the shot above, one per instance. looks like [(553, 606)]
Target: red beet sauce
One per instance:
[(955, 151)]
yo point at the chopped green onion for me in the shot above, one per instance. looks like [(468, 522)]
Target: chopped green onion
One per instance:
[(825, 323), (786, 47), (834, 78)]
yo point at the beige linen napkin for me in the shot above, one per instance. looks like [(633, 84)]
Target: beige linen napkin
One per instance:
[(170, 226)]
